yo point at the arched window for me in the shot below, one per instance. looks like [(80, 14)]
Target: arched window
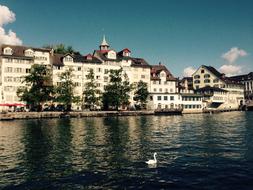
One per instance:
[(29, 52), (197, 81), (206, 76), (68, 59), (8, 51), (206, 81), (196, 77), (215, 80)]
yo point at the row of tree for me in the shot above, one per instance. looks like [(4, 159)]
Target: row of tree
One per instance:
[(62, 49), (39, 89)]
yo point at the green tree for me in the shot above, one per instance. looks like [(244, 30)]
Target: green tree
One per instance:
[(38, 87), (91, 93), (65, 90), (117, 91), (62, 49), (141, 94), (125, 90)]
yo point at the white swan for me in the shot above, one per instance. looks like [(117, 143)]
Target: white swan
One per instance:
[(152, 161)]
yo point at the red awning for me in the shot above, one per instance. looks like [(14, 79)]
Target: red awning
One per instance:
[(12, 104)]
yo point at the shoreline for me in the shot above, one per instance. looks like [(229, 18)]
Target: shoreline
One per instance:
[(47, 115), (9, 116)]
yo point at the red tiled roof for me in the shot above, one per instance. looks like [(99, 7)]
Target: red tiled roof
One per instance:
[(126, 50), (103, 51)]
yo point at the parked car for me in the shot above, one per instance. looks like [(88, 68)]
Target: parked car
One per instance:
[(49, 108), (60, 108)]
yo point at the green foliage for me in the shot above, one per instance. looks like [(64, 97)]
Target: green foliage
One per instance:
[(62, 49), (65, 90), (141, 93), (38, 87), (91, 93), (117, 91)]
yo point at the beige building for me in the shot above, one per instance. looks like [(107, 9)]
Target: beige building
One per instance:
[(219, 91)]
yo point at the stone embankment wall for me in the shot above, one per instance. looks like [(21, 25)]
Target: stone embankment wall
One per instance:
[(40, 115)]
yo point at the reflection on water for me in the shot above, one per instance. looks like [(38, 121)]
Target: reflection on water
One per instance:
[(193, 150)]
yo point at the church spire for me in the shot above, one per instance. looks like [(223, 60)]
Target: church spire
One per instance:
[(104, 45)]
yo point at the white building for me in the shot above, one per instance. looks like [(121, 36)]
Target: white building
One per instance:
[(247, 80), (137, 69), (163, 89), (192, 102), (15, 63), (101, 61)]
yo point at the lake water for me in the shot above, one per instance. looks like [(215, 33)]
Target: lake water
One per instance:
[(198, 151)]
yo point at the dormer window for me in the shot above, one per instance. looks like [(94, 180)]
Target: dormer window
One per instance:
[(111, 55), (29, 53), (126, 52), (89, 57), (162, 74), (68, 59), (8, 51)]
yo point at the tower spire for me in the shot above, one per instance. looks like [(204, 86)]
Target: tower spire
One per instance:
[(104, 45)]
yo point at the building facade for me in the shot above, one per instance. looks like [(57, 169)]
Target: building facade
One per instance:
[(163, 91), (247, 80), (15, 63), (214, 89), (221, 92), (191, 102)]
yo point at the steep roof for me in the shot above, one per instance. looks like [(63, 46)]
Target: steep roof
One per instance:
[(240, 78), (157, 69), (139, 62), (104, 43), (87, 59), (120, 53), (58, 59), (19, 51), (102, 55), (221, 76), (214, 71)]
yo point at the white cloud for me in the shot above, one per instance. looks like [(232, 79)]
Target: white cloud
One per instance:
[(6, 17), (188, 71), (233, 54), (230, 70)]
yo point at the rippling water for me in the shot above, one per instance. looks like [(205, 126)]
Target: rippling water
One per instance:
[(194, 152)]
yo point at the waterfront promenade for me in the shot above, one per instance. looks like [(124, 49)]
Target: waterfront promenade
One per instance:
[(45, 115), (38, 115)]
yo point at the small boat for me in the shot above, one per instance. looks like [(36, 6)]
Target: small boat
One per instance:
[(168, 112)]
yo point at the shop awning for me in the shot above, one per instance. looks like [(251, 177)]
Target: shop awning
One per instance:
[(12, 104)]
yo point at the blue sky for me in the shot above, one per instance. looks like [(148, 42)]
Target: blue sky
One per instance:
[(179, 33)]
